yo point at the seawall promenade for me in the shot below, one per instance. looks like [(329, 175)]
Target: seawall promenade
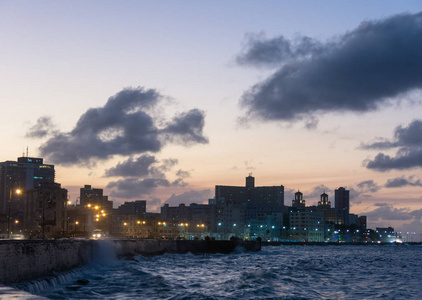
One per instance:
[(30, 259)]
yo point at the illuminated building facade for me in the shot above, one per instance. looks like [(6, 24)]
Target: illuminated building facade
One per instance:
[(25, 174), (90, 196), (306, 226), (240, 211)]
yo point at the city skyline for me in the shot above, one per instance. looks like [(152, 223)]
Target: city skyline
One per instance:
[(163, 101)]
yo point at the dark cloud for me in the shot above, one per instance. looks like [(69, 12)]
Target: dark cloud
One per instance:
[(402, 181), (408, 137), (134, 187), (409, 154), (359, 71), (259, 51), (42, 128), (183, 174), (159, 170), (142, 175), (368, 186), (386, 211), (404, 159), (186, 128), (192, 196), (125, 125), (139, 167)]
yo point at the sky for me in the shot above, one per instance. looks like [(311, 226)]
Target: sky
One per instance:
[(163, 100)]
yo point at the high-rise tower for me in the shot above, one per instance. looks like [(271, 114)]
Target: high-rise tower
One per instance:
[(342, 204), (25, 174)]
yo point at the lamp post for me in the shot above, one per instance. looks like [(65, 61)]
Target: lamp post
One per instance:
[(8, 216)]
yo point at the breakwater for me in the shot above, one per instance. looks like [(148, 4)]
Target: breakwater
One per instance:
[(31, 259)]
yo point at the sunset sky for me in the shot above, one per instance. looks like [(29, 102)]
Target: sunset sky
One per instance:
[(163, 100)]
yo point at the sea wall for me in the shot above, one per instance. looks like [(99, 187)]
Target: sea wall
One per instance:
[(30, 259)]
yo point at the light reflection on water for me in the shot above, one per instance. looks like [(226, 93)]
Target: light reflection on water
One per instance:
[(286, 272)]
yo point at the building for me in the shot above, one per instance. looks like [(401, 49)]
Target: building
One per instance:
[(137, 208), (342, 205), (306, 225), (298, 201), (330, 213), (24, 174), (323, 203), (362, 222), (93, 213), (45, 214), (90, 196), (353, 219), (386, 234), (235, 209), (194, 213)]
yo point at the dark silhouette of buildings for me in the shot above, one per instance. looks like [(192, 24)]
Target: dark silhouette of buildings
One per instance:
[(298, 201), (323, 203), (341, 197), (90, 196), (137, 207)]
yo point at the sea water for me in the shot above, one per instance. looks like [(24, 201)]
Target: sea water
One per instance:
[(283, 272)]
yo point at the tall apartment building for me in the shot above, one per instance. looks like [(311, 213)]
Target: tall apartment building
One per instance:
[(342, 204), (25, 174)]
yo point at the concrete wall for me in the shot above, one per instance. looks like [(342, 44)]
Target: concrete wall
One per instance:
[(31, 259)]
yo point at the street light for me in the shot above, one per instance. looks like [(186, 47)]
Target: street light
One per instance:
[(18, 192)]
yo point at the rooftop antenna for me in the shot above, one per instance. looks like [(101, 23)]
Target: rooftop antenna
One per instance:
[(27, 151)]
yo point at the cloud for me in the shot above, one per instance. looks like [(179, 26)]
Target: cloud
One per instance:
[(289, 195), (183, 174), (402, 181), (42, 128), (134, 187), (259, 51), (125, 125), (405, 159), (186, 128), (142, 175), (403, 137), (409, 153), (368, 186), (316, 192), (132, 167), (386, 211), (359, 71), (192, 196)]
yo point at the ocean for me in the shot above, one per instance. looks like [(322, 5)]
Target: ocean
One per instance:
[(277, 272)]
